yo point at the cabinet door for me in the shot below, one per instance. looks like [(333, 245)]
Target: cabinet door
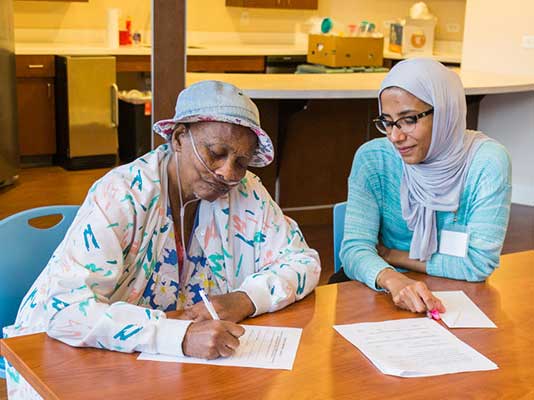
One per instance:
[(297, 4), (36, 116), (252, 3)]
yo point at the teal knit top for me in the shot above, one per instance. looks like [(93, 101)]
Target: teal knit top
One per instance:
[(374, 213)]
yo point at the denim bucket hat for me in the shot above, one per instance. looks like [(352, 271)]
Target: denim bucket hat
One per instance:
[(221, 102)]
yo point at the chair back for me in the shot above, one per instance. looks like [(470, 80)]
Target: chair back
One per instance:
[(339, 226), (25, 251)]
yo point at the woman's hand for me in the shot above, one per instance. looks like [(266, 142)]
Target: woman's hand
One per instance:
[(409, 294), (235, 307), (211, 339)]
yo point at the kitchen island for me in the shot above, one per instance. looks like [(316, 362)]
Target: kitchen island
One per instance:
[(319, 120)]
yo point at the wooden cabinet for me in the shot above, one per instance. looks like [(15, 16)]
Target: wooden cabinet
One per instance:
[(298, 4), (36, 105), (132, 63), (65, 1), (226, 64), (289, 4)]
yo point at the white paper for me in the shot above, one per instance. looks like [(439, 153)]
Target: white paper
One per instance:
[(413, 347), (260, 347), (453, 243), (462, 312)]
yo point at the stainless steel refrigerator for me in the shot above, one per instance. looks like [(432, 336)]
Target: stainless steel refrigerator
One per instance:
[(9, 147)]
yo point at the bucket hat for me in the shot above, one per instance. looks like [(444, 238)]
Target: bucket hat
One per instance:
[(222, 102)]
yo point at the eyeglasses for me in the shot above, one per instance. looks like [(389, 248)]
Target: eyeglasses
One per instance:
[(405, 124)]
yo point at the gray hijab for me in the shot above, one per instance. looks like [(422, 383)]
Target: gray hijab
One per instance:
[(436, 183)]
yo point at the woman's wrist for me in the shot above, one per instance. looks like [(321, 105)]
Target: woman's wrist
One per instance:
[(384, 277)]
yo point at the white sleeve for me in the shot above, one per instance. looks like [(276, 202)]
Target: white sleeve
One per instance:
[(288, 269)]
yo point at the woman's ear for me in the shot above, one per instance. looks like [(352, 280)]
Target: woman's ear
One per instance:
[(177, 137)]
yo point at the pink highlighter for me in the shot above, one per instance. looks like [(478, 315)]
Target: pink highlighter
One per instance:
[(434, 314)]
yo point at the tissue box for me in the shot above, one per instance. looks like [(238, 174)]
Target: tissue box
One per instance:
[(418, 37), (339, 51)]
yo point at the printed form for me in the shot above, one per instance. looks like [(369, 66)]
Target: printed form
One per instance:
[(260, 347), (413, 347)]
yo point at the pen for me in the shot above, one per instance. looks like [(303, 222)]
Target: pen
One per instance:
[(434, 314), (208, 305)]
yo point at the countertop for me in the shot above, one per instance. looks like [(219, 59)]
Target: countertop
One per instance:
[(443, 54), (352, 86), (193, 50)]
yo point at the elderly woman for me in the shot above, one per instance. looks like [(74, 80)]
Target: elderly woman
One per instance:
[(432, 197), (183, 218)]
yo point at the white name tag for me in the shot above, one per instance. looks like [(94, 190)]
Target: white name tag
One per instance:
[(453, 243)]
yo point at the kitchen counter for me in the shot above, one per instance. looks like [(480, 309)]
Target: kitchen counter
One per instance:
[(444, 52), (352, 86), (193, 50)]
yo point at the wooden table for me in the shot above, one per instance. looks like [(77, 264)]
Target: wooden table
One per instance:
[(326, 367)]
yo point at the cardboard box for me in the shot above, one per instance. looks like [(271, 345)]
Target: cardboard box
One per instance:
[(414, 37), (339, 51)]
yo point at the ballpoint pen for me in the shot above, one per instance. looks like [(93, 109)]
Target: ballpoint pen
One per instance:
[(208, 305)]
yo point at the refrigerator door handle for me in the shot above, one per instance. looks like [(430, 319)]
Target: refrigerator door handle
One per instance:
[(114, 105)]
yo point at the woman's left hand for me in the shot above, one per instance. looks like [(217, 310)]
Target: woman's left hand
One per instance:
[(235, 307)]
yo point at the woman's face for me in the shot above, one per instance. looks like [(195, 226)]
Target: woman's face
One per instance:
[(225, 148), (397, 103)]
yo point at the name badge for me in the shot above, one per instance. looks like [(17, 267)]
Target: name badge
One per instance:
[(453, 243)]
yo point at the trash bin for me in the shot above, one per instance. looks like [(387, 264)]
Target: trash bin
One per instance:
[(134, 124)]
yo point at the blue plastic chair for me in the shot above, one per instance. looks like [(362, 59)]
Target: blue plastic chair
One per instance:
[(339, 227), (24, 252)]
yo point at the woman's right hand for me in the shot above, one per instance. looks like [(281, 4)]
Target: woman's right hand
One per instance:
[(212, 339), (409, 294)]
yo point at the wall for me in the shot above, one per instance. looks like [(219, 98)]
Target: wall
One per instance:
[(66, 15), (378, 11), (214, 16), (493, 44)]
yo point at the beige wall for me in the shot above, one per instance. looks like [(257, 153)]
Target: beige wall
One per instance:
[(492, 43), (91, 15), (378, 11), (214, 16), (492, 39)]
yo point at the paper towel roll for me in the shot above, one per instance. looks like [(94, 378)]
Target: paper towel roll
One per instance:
[(113, 28)]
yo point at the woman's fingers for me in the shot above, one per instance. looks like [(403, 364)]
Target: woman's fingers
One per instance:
[(211, 339), (416, 297)]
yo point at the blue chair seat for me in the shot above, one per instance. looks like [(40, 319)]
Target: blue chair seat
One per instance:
[(25, 252), (339, 227)]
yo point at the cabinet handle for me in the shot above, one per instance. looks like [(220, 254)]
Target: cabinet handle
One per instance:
[(49, 90), (114, 106), (36, 66)]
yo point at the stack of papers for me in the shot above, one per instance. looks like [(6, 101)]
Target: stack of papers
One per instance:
[(413, 347), (260, 347), (462, 312)]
